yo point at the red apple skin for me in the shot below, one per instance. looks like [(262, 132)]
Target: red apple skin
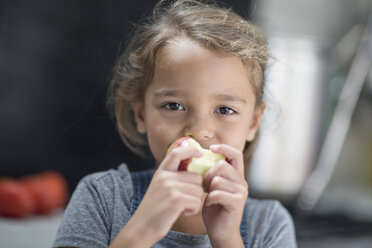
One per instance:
[(184, 163), (178, 143)]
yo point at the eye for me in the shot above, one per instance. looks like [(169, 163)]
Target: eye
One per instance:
[(225, 111), (173, 106)]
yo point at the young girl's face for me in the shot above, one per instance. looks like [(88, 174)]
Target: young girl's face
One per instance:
[(198, 93)]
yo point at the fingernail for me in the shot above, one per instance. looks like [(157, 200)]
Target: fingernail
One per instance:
[(213, 147)]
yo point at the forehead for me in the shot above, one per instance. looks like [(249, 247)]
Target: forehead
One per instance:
[(182, 50), (184, 63)]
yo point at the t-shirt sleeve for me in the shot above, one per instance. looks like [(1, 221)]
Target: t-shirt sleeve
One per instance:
[(280, 232), (84, 223)]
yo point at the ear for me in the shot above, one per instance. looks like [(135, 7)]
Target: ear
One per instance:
[(255, 124), (139, 117)]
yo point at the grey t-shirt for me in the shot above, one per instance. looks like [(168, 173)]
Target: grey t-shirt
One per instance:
[(101, 205)]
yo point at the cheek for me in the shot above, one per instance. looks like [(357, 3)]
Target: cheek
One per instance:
[(159, 136), (235, 134)]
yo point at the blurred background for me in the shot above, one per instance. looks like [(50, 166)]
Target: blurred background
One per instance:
[(315, 152)]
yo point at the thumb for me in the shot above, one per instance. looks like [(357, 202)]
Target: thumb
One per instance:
[(174, 157)]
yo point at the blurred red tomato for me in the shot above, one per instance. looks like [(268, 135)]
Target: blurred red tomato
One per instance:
[(15, 200), (40, 194), (58, 184), (48, 189)]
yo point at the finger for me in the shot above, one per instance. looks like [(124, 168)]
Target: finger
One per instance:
[(179, 176), (176, 155), (225, 170), (228, 200), (184, 203), (220, 183), (189, 177), (184, 188), (234, 156), (193, 206)]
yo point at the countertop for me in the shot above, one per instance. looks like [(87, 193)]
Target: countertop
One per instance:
[(39, 231), (34, 231)]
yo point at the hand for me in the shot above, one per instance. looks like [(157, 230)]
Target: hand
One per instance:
[(227, 194), (170, 194)]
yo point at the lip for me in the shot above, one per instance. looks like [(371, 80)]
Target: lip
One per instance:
[(206, 145), (202, 144)]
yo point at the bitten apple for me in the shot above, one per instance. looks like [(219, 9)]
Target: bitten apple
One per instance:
[(200, 165)]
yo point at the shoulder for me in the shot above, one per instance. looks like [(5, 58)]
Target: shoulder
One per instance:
[(268, 209), (102, 177), (108, 185), (108, 178), (271, 223), (97, 210)]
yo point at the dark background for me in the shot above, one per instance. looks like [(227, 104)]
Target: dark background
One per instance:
[(56, 59)]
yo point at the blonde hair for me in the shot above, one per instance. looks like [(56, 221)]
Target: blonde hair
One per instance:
[(210, 25)]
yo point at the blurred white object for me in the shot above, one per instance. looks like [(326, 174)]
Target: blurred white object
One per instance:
[(288, 139), (340, 123), (302, 34)]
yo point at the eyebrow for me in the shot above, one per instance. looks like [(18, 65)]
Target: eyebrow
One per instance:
[(225, 97), (231, 98), (168, 93)]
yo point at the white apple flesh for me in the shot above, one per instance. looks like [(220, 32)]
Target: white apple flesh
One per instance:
[(200, 165)]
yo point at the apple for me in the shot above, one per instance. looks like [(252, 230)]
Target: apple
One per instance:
[(200, 165)]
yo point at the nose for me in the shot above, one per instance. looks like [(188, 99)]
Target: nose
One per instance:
[(200, 127)]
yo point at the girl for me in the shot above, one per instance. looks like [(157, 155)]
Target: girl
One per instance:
[(194, 70)]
